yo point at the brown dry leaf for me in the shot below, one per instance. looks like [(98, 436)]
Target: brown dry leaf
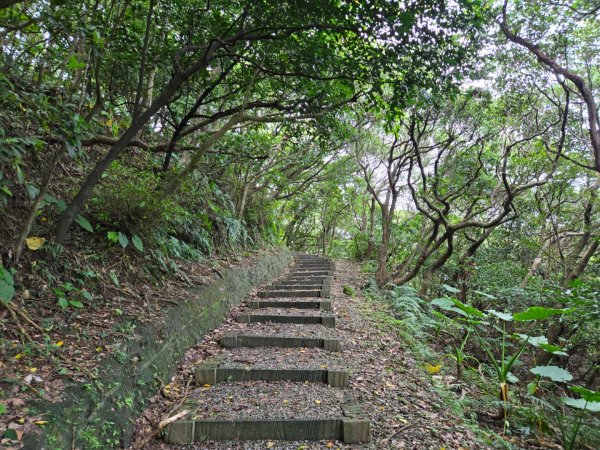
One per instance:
[(329, 445)]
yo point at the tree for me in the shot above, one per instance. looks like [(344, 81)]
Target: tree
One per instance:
[(323, 42)]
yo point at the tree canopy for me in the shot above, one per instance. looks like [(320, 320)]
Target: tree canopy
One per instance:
[(453, 148)]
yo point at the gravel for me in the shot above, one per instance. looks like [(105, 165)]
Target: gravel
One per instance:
[(265, 400), (290, 299), (280, 358), (284, 312), (280, 329)]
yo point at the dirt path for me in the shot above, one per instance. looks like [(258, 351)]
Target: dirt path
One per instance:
[(396, 393)]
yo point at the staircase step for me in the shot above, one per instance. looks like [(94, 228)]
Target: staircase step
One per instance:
[(299, 287), (205, 374), (248, 340), (311, 273), (348, 430), (332, 420), (325, 320), (296, 365), (287, 293), (302, 280), (325, 305)]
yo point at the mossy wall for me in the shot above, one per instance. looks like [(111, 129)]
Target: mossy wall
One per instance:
[(100, 414)]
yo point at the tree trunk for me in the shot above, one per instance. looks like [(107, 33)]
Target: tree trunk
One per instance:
[(243, 199), (140, 85), (148, 94), (382, 275), (371, 241), (68, 216), (538, 258), (428, 276), (18, 245)]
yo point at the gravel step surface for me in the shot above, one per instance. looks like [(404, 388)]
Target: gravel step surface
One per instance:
[(291, 299), (280, 329), (281, 358), (264, 400), (282, 312)]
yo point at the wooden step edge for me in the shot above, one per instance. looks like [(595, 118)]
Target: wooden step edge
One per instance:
[(286, 293), (327, 320), (324, 305), (253, 341), (349, 429), (209, 373)]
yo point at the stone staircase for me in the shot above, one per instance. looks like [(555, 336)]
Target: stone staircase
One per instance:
[(304, 351)]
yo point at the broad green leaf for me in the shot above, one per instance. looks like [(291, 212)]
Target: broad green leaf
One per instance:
[(11, 434), (447, 304), (63, 303), (85, 294), (444, 302), (532, 387), (485, 294), (123, 240), (32, 191), (74, 64), (512, 378), (76, 303), (84, 223), (581, 403), (469, 310), (2, 408), (555, 373), (450, 289), (112, 236), (554, 349), (137, 243), (537, 313), (586, 394), (507, 317), (536, 341), (7, 288)]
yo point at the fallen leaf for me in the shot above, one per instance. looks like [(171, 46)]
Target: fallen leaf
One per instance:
[(35, 243), (270, 444), (318, 402), (329, 445), (33, 378), (18, 356), (433, 369), (41, 422), (204, 385), (60, 343)]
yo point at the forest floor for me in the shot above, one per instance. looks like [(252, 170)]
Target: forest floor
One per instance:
[(400, 397), (54, 345)]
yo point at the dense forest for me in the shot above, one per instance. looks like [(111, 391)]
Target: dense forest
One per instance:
[(453, 148)]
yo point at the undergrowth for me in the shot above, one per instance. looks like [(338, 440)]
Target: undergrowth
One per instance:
[(529, 419)]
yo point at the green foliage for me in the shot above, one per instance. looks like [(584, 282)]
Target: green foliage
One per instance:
[(555, 373), (68, 295), (348, 290), (84, 223), (7, 288)]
